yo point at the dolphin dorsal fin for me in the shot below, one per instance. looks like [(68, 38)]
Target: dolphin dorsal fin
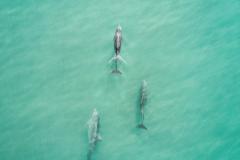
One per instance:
[(99, 138)]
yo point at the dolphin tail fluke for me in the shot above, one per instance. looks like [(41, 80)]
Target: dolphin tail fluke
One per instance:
[(142, 126), (116, 71)]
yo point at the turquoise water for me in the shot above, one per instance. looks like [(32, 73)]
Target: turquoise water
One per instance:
[(54, 70)]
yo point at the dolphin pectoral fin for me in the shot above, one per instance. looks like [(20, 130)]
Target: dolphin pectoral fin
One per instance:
[(142, 126), (121, 59), (112, 59), (118, 58), (99, 138)]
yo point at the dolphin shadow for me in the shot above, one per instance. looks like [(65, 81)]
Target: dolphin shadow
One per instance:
[(89, 155), (138, 116), (137, 108)]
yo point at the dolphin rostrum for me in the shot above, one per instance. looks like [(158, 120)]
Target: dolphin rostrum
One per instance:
[(143, 101), (117, 48), (93, 132)]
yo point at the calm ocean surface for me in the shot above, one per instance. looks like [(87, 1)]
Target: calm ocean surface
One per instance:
[(54, 71)]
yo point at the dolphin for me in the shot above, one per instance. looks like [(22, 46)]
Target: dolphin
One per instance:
[(117, 48), (143, 101), (93, 132)]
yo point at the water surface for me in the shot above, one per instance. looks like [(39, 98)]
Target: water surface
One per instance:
[(54, 70)]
